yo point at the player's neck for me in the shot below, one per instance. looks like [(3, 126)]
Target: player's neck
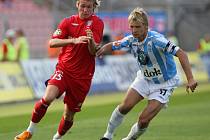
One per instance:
[(141, 38)]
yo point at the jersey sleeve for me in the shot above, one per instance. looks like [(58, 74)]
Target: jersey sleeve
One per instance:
[(62, 31), (166, 45), (171, 48), (119, 44), (97, 30)]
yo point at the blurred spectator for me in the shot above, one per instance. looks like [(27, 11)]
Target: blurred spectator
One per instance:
[(8, 51), (106, 38), (171, 37), (204, 45), (21, 45), (53, 52), (106, 34), (204, 50)]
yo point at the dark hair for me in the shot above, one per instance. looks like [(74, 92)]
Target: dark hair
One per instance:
[(20, 32)]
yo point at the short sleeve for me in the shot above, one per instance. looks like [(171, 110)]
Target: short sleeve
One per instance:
[(62, 30), (98, 28), (166, 45), (117, 45)]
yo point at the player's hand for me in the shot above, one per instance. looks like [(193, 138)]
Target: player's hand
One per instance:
[(81, 39), (98, 47), (89, 34), (192, 84), (100, 51)]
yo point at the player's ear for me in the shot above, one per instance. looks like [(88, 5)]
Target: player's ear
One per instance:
[(77, 4)]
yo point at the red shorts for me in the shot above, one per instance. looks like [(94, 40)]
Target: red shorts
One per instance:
[(75, 90)]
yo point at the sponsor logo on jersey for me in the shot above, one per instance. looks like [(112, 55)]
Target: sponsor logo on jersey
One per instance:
[(57, 32), (89, 22), (153, 73), (75, 24)]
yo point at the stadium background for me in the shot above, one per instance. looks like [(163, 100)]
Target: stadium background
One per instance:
[(188, 20), (24, 81)]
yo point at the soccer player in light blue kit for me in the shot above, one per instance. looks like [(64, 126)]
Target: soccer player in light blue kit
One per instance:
[(156, 78)]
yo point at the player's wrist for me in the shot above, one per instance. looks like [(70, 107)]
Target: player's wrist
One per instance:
[(191, 79), (72, 40)]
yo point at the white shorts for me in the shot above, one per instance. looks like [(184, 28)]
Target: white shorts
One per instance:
[(149, 90)]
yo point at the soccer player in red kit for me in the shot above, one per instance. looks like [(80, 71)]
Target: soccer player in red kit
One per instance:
[(79, 36)]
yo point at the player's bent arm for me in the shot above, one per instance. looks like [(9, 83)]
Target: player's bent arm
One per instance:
[(92, 47), (106, 49), (184, 61), (91, 42), (192, 84), (55, 43)]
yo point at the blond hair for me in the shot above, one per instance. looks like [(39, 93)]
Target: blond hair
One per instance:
[(139, 15)]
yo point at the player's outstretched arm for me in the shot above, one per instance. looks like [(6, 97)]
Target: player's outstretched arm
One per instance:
[(55, 43), (107, 48), (183, 58)]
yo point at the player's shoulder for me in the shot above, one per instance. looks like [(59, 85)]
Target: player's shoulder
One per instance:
[(154, 34), (73, 18), (157, 37), (96, 18)]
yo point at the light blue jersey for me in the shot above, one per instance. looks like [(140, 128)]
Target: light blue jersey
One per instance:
[(154, 55)]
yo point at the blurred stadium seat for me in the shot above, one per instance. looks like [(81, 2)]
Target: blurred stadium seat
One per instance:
[(37, 23)]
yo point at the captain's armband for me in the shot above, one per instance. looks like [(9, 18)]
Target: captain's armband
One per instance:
[(171, 48)]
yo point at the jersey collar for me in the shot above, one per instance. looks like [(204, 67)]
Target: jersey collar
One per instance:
[(84, 20)]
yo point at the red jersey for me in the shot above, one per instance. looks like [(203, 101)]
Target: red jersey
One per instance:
[(76, 59)]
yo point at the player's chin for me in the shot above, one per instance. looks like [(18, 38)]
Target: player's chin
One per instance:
[(86, 16), (136, 35)]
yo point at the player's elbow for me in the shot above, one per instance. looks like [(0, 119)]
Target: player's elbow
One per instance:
[(52, 43), (181, 53), (92, 51)]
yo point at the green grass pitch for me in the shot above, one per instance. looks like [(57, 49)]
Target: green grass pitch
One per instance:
[(186, 118)]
